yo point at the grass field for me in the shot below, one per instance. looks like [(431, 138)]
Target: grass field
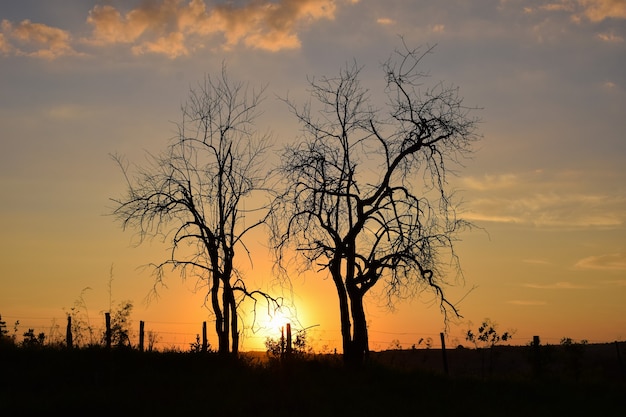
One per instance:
[(93, 382)]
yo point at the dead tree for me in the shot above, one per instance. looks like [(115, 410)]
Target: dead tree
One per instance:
[(366, 197), (201, 195)]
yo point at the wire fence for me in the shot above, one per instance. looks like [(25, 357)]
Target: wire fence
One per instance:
[(173, 335)]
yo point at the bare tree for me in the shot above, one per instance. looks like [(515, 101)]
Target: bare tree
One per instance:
[(367, 198), (200, 195)]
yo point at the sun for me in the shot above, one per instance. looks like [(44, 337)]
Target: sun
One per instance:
[(273, 324), (277, 320)]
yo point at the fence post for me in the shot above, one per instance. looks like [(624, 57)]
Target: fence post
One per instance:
[(536, 356), (141, 324), (282, 342), (205, 341), (443, 352), (619, 361), (289, 350), (68, 333), (107, 320)]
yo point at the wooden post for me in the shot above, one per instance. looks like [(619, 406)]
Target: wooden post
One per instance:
[(68, 333), (619, 361), (141, 336), (536, 356), (107, 320), (205, 341), (443, 352), (282, 342), (289, 350)]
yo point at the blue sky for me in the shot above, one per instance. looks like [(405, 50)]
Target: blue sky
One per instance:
[(82, 79)]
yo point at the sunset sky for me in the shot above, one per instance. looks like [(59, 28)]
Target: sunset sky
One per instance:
[(546, 187)]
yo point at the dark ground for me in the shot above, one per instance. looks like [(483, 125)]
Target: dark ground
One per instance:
[(93, 382)]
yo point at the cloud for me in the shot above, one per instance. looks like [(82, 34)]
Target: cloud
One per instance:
[(562, 199), (536, 261), (591, 10), (65, 112), (599, 10), (552, 21), (616, 283), (385, 21), (490, 182), (562, 285), (35, 39), (172, 45), (557, 7), (550, 210), (174, 28), (527, 303), (439, 28), (5, 47), (610, 37), (109, 26), (608, 262)]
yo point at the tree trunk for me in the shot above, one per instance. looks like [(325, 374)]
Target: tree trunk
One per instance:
[(234, 326), (226, 321), (359, 348), (344, 310), (222, 348), (235, 332)]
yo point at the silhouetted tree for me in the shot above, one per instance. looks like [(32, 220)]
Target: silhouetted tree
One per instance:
[(367, 198), (194, 195), (121, 325)]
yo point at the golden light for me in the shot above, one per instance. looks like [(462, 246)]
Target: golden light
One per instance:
[(273, 325), (277, 320)]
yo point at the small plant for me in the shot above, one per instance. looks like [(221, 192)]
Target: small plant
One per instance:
[(487, 335), (395, 345), (33, 341), (568, 341), (120, 324), (428, 342), (3, 327), (5, 338), (196, 347), (153, 339), (82, 330), (300, 344), (277, 348), (573, 353)]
